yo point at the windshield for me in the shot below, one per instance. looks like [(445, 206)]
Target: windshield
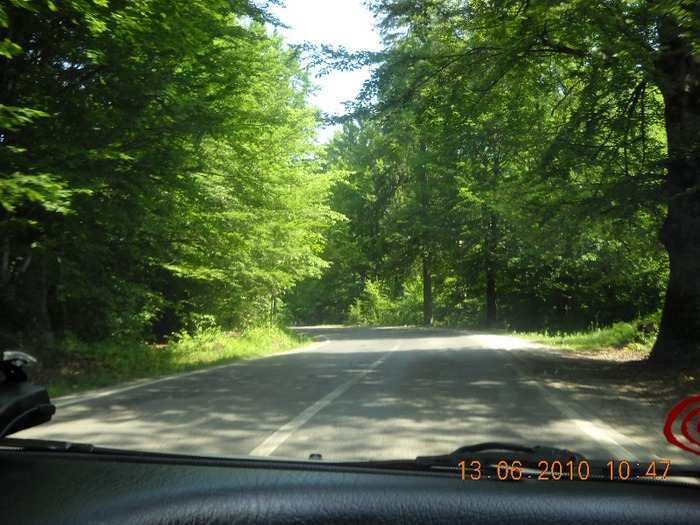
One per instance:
[(365, 230)]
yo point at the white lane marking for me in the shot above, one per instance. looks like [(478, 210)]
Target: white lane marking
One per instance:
[(83, 398), (268, 446), (608, 437)]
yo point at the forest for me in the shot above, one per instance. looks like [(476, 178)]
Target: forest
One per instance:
[(511, 164)]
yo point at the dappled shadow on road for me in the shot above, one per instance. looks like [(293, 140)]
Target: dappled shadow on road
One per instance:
[(620, 387), (437, 391), (232, 411)]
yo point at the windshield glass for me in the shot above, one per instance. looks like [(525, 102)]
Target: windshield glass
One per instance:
[(365, 230)]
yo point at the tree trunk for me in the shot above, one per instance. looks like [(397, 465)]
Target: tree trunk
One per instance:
[(44, 332), (490, 245), (426, 240), (427, 292), (678, 70), (273, 307)]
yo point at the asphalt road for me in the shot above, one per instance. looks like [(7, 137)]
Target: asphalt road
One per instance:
[(358, 393)]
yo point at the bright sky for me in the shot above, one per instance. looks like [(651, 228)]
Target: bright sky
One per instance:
[(336, 22)]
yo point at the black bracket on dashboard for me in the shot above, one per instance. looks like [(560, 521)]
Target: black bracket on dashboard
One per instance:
[(22, 405), (12, 363)]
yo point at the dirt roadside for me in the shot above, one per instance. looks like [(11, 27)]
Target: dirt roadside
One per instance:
[(621, 389)]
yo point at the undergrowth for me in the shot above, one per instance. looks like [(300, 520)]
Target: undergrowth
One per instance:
[(618, 336), (80, 366)]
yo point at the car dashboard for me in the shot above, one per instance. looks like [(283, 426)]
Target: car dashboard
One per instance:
[(57, 486)]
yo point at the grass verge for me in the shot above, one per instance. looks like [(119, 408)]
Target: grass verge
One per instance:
[(79, 366), (620, 336)]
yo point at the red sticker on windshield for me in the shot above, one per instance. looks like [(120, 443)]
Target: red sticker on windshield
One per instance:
[(682, 426)]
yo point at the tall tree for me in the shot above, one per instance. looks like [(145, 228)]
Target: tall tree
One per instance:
[(157, 168), (607, 60)]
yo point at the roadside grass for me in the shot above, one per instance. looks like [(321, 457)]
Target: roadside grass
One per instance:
[(81, 366), (620, 336)]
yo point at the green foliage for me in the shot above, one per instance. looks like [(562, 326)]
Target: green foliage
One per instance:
[(158, 169), (371, 307), (158, 172), (376, 307), (515, 150), (38, 188)]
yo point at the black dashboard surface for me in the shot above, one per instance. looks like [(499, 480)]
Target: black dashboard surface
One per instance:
[(41, 487)]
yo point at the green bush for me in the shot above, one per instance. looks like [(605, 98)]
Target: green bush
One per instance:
[(376, 307)]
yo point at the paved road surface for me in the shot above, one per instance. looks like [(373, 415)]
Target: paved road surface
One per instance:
[(358, 393)]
